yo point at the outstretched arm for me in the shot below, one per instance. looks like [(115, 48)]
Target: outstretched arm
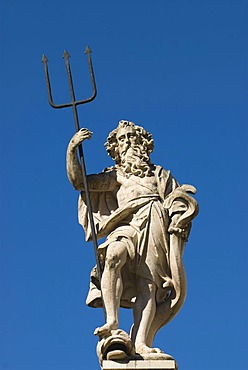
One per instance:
[(104, 181)]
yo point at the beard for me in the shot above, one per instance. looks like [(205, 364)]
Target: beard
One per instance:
[(135, 161)]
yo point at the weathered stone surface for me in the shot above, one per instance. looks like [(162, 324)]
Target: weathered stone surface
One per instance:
[(140, 365), (146, 218)]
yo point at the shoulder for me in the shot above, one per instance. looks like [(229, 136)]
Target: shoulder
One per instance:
[(106, 173), (109, 170), (165, 179), (160, 172)]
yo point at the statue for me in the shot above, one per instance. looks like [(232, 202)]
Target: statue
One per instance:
[(145, 216)]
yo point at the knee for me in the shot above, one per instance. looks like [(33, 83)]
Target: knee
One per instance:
[(116, 256), (112, 261)]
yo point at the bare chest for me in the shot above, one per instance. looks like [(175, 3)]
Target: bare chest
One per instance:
[(134, 187)]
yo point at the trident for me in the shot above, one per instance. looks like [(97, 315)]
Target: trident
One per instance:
[(74, 103)]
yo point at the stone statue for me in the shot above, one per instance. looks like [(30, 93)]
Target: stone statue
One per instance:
[(145, 217)]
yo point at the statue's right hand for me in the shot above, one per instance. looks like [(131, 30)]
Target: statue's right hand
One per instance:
[(80, 136)]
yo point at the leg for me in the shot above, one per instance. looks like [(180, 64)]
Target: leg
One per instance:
[(144, 313), (111, 285)]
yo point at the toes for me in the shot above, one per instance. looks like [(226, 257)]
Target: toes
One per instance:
[(96, 331), (146, 350), (101, 331), (158, 350)]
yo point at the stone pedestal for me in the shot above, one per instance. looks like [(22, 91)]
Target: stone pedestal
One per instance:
[(140, 365)]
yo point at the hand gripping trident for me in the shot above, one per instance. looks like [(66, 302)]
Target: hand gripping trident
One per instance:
[(74, 103)]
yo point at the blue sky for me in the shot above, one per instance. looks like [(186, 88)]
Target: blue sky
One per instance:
[(179, 68)]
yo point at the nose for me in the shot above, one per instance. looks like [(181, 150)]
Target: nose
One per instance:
[(127, 140)]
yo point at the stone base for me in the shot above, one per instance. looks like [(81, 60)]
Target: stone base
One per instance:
[(140, 365)]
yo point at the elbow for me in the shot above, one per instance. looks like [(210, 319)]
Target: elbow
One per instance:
[(77, 185)]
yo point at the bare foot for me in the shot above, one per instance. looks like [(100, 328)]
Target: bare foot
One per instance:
[(144, 349), (105, 329)]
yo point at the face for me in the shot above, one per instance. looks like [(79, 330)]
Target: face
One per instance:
[(126, 138)]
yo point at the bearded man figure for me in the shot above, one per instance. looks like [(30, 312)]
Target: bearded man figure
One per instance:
[(146, 218)]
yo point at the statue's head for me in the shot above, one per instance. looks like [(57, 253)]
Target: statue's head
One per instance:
[(128, 134), (130, 144)]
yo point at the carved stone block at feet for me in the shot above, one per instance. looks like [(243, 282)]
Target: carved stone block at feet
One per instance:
[(140, 365)]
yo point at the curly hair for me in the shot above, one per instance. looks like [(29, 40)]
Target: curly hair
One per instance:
[(111, 144)]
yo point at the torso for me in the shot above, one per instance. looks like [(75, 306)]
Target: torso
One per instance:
[(134, 186)]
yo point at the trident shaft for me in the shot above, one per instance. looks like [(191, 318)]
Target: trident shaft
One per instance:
[(74, 103)]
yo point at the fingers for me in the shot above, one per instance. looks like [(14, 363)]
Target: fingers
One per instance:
[(85, 133), (80, 136)]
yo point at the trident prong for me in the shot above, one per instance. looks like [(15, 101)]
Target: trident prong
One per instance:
[(74, 103), (66, 56)]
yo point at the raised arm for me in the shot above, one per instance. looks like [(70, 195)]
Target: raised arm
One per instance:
[(104, 181), (73, 167)]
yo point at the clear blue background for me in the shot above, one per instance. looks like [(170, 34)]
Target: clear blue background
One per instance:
[(177, 67)]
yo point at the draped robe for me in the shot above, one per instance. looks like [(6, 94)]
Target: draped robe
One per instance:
[(142, 225)]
